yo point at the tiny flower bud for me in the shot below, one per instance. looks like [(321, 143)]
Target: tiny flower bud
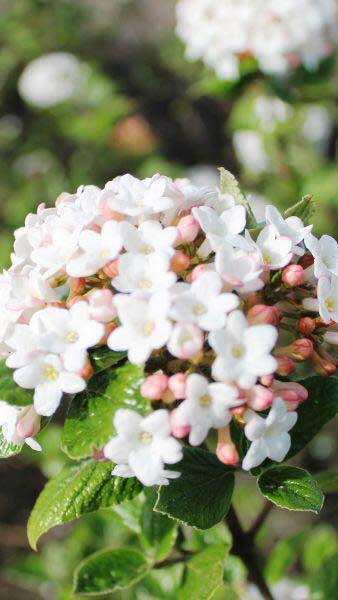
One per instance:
[(260, 314), (101, 305), (179, 262), (177, 430), (306, 326), (188, 229), (251, 300), (301, 349), (29, 423), (266, 380), (322, 366), (290, 391), (293, 275), (87, 372), (77, 284), (226, 450), (177, 385), (74, 300), (154, 386), (259, 398), (168, 397), (238, 411), (111, 269), (286, 366)]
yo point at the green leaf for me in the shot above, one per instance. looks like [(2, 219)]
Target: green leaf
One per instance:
[(230, 185), (103, 358), (8, 449), (89, 422), (321, 543), (304, 210), (328, 482), (201, 496), (324, 584), (204, 575), (158, 532), (283, 556), (77, 490), (109, 570), (292, 488), (9, 391)]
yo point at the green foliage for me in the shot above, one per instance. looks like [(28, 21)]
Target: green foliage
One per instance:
[(103, 358), (77, 490), (158, 532), (89, 422), (109, 570), (8, 449), (283, 556), (291, 488), (9, 391), (304, 210), (230, 185), (204, 574), (328, 482), (201, 496), (324, 583)]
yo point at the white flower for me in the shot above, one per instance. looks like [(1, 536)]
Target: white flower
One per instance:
[(269, 437), (203, 303), (250, 151), (68, 333), (328, 298), (206, 405), (10, 416), (150, 237), (240, 269), (186, 340), (243, 352), (56, 250), (325, 253), (292, 228), (144, 325), (276, 250), (143, 446), (147, 274), (48, 377), (221, 229), (271, 111), (98, 249)]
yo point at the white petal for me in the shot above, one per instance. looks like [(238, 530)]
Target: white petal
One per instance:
[(71, 383), (47, 398), (255, 455)]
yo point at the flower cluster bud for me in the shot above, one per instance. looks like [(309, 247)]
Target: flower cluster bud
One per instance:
[(261, 314), (226, 450), (293, 275)]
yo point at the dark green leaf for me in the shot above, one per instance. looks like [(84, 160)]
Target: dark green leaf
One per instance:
[(103, 358), (304, 210), (89, 423), (204, 575), (7, 449), (109, 570), (292, 488), (158, 533), (201, 496), (9, 391), (77, 490)]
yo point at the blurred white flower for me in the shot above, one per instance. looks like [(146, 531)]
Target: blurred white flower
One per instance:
[(250, 151)]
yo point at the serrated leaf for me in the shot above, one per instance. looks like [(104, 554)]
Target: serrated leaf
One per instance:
[(89, 422), (109, 570), (77, 490), (9, 391), (328, 481), (201, 496), (230, 185), (304, 210), (158, 532), (8, 449), (103, 358), (204, 575), (292, 488)]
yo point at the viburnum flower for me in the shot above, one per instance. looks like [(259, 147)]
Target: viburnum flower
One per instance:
[(203, 303), (325, 254), (240, 269), (150, 237), (243, 352), (10, 417), (220, 229), (96, 250), (149, 273), (144, 325), (206, 405), (186, 340), (142, 447), (328, 298), (275, 249), (269, 437), (291, 228)]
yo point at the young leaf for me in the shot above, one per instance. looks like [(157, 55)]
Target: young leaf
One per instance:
[(201, 496), (107, 571), (77, 490), (89, 422), (304, 210), (204, 574), (9, 391), (230, 185), (103, 358), (292, 488), (158, 532), (7, 449)]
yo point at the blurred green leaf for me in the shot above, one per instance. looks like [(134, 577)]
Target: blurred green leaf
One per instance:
[(324, 583), (321, 543), (304, 210), (158, 532), (204, 574), (292, 488), (328, 481), (283, 556), (9, 391)]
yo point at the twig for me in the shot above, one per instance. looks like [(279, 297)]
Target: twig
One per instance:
[(257, 524)]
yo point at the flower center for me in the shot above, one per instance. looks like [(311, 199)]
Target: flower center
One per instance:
[(148, 328), (147, 249), (144, 284), (330, 304), (104, 254), (145, 437), (199, 309), (51, 373), (71, 336), (238, 351), (266, 258), (205, 401)]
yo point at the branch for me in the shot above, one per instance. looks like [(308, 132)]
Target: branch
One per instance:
[(257, 524)]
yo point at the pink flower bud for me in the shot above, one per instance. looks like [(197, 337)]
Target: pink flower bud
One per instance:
[(301, 349), (286, 366), (260, 398), (306, 326), (77, 284), (226, 450), (29, 423), (266, 380), (293, 275), (238, 411), (111, 269), (168, 397), (322, 366), (177, 385), (177, 430), (188, 229), (87, 372), (101, 305), (260, 314), (179, 262), (154, 386)]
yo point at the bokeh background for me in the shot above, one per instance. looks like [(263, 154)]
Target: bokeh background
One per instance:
[(112, 92)]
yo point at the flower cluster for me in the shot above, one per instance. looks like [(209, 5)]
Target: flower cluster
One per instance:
[(280, 35), (171, 274)]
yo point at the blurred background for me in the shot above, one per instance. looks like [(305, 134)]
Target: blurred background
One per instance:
[(90, 89)]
